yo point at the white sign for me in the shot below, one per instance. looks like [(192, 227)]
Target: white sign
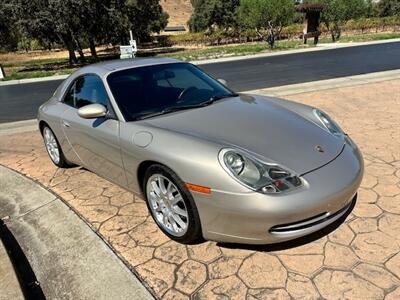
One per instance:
[(128, 51), (2, 75)]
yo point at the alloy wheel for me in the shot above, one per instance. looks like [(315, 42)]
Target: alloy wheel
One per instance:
[(167, 205), (51, 145)]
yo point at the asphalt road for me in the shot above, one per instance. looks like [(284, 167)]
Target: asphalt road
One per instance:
[(20, 102)]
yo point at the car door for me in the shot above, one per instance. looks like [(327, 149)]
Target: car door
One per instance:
[(94, 141)]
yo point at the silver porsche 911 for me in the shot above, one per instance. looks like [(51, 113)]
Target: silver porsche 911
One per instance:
[(210, 163)]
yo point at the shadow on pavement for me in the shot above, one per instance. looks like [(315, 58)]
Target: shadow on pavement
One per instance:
[(26, 277)]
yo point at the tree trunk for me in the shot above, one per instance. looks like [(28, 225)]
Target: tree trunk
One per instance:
[(271, 35), (333, 36), (336, 33), (80, 51), (71, 49), (72, 56), (92, 47)]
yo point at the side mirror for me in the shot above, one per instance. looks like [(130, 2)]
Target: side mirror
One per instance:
[(223, 81), (92, 111)]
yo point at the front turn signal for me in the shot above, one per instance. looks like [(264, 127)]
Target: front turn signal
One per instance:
[(198, 188)]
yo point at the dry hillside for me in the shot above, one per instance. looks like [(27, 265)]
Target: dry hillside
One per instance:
[(179, 11)]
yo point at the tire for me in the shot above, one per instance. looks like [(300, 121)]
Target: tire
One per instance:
[(47, 134), (156, 174)]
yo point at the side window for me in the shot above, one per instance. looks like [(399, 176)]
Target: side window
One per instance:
[(89, 90), (69, 96), (86, 90)]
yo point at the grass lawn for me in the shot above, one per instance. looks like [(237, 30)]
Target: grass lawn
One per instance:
[(368, 37), (37, 74), (18, 66), (235, 50)]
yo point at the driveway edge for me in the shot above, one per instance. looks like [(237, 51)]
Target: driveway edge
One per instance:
[(327, 84), (69, 261), (18, 127)]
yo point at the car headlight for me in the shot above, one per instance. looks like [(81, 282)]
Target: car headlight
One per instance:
[(328, 123), (256, 175)]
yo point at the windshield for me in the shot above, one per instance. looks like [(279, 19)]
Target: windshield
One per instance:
[(153, 90)]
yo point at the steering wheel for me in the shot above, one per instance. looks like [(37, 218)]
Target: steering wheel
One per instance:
[(184, 92)]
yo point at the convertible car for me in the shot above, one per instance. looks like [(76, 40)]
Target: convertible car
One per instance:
[(209, 162)]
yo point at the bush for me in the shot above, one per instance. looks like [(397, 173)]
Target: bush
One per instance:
[(27, 44), (220, 37), (364, 24), (292, 30)]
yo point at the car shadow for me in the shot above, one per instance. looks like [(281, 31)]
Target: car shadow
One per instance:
[(296, 242)]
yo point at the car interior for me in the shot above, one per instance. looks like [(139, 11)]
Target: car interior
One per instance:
[(154, 91)]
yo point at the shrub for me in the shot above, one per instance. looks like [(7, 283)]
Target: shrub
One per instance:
[(229, 36)]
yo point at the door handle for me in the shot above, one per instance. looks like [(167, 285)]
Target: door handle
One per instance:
[(65, 124)]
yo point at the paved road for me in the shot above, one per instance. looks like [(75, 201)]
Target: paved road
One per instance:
[(20, 102)]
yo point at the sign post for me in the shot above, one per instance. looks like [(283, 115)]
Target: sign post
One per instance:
[(2, 73)]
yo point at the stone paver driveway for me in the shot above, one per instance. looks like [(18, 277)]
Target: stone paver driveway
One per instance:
[(358, 259)]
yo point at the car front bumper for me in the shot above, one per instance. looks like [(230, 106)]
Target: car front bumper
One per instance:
[(255, 218)]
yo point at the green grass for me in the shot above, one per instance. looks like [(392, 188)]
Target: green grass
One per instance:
[(29, 63), (59, 66), (37, 74), (369, 37), (236, 50)]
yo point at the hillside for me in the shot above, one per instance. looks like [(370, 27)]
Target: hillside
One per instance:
[(179, 11)]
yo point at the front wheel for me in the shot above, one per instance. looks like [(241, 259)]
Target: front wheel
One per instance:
[(53, 148), (171, 205)]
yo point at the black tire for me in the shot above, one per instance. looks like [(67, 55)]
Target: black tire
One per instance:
[(62, 163), (193, 233)]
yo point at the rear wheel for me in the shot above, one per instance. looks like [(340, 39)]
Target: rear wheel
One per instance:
[(53, 148), (171, 205)]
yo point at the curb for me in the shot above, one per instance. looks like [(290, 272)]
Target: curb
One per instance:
[(33, 80), (69, 258), (328, 84), (18, 127), (320, 47)]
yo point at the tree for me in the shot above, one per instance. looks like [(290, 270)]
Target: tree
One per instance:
[(145, 17), (267, 17), (94, 23), (213, 13), (86, 22), (50, 21), (337, 12), (388, 8), (9, 33)]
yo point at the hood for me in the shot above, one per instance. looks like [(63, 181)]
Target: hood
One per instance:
[(260, 126)]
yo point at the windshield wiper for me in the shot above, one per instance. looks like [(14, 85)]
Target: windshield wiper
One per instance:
[(202, 104), (219, 97), (144, 115)]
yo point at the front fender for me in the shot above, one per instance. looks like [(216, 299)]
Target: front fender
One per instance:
[(193, 159)]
